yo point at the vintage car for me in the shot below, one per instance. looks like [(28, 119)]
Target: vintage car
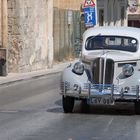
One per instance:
[(108, 70)]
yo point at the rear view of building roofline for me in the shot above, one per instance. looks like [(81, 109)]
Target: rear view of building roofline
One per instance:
[(35, 34)]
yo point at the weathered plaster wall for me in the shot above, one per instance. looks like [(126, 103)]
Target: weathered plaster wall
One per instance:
[(27, 27), (66, 28), (0, 26)]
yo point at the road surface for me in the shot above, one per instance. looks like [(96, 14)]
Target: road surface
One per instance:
[(32, 110)]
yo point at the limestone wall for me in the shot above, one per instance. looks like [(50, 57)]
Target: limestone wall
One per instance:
[(27, 27), (29, 36)]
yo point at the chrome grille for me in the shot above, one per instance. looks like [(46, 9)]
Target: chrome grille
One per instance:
[(102, 71), (64, 86)]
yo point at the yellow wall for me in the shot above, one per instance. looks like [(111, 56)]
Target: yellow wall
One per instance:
[(65, 34), (67, 4)]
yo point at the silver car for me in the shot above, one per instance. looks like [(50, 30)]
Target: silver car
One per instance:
[(108, 70)]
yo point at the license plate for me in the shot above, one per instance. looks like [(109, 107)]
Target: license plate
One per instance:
[(102, 100)]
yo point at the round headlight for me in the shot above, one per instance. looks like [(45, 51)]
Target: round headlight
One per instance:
[(127, 70), (78, 68)]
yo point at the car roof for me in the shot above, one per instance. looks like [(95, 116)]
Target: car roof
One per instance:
[(116, 31)]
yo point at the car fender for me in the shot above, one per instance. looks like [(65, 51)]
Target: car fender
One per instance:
[(69, 76), (132, 81)]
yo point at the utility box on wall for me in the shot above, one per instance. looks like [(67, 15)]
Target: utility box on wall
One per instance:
[(3, 62)]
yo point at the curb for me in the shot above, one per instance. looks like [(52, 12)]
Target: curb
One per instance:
[(19, 77), (24, 79)]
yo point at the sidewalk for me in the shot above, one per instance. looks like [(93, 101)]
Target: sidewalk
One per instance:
[(15, 77)]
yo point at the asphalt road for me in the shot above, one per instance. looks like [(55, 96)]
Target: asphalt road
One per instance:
[(32, 110)]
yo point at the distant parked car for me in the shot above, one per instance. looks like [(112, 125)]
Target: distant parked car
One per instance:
[(108, 70)]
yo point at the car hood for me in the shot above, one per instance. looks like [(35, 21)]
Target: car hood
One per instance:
[(116, 56)]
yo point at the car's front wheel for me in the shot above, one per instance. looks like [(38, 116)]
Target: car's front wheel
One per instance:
[(68, 104), (137, 107)]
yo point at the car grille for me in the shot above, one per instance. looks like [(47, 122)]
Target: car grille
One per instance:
[(64, 86), (102, 71)]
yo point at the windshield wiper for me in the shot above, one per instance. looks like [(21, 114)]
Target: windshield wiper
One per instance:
[(94, 36)]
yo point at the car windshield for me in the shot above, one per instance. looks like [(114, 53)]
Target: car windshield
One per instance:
[(112, 42)]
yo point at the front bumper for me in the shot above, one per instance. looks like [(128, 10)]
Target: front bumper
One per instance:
[(88, 91)]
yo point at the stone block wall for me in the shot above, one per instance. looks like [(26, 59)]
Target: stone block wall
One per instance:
[(27, 35)]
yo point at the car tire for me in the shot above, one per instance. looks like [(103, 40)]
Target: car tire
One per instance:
[(137, 107), (68, 104)]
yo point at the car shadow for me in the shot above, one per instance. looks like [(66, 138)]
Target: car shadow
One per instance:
[(106, 110), (81, 108), (58, 102)]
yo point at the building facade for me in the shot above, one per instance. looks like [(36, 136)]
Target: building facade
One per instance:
[(3, 37), (37, 33), (29, 34), (134, 13), (112, 13), (118, 13), (41, 32), (66, 28)]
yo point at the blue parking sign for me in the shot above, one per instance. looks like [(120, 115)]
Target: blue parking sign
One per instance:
[(90, 16)]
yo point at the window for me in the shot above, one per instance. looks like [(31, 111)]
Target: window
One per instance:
[(112, 43)]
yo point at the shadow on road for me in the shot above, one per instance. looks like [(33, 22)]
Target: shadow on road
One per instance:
[(80, 107), (108, 110), (58, 102)]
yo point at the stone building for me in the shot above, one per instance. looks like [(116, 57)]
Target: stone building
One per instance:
[(112, 12), (41, 32), (66, 28), (3, 37), (32, 24), (29, 34), (118, 13), (27, 29)]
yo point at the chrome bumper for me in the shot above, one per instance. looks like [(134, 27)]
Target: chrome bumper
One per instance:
[(89, 91)]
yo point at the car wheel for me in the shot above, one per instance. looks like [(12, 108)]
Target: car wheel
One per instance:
[(68, 104), (137, 107)]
